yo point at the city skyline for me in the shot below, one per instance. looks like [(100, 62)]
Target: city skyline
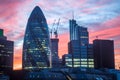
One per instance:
[(100, 17)]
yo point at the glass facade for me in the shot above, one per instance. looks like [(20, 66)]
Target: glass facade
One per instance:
[(36, 47), (6, 53), (67, 60), (79, 45)]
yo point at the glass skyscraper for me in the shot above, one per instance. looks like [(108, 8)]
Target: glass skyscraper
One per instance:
[(36, 46), (79, 46), (78, 33)]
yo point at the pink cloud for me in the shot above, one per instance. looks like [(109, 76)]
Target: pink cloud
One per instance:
[(106, 30), (105, 33), (63, 44), (117, 61)]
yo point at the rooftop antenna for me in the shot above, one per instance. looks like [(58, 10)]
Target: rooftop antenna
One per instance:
[(73, 15), (96, 37)]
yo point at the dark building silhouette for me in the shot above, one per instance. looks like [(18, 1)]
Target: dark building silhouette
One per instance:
[(103, 53), (36, 47), (6, 53), (54, 52)]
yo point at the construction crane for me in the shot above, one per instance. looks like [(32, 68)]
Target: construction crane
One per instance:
[(52, 28), (56, 29)]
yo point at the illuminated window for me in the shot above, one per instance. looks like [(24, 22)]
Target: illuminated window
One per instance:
[(83, 59), (76, 59), (68, 59), (83, 62), (91, 62), (83, 65)]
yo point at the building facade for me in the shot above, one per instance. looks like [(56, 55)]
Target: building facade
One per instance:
[(36, 47), (6, 52), (67, 60), (79, 45), (54, 52), (103, 53)]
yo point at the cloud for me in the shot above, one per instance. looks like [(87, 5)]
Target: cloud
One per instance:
[(63, 44), (104, 29), (18, 59), (117, 61)]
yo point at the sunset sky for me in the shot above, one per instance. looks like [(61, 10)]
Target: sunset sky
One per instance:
[(101, 17)]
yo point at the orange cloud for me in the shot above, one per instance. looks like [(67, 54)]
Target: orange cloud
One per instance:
[(117, 61), (105, 33), (63, 44), (107, 30), (17, 59)]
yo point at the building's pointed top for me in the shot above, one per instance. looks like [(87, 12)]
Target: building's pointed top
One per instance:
[(37, 7), (37, 14)]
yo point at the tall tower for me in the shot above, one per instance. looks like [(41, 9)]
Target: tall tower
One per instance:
[(73, 30), (36, 47), (78, 33)]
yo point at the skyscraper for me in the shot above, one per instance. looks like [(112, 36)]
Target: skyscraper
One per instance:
[(36, 47), (73, 30), (103, 53), (79, 45), (78, 32), (6, 52)]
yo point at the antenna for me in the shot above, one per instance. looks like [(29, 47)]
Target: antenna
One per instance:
[(96, 37), (72, 14)]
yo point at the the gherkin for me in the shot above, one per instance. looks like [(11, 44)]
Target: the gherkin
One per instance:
[(36, 46)]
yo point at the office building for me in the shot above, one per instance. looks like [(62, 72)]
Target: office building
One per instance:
[(67, 60), (79, 46), (90, 56), (6, 52), (36, 47), (103, 53)]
